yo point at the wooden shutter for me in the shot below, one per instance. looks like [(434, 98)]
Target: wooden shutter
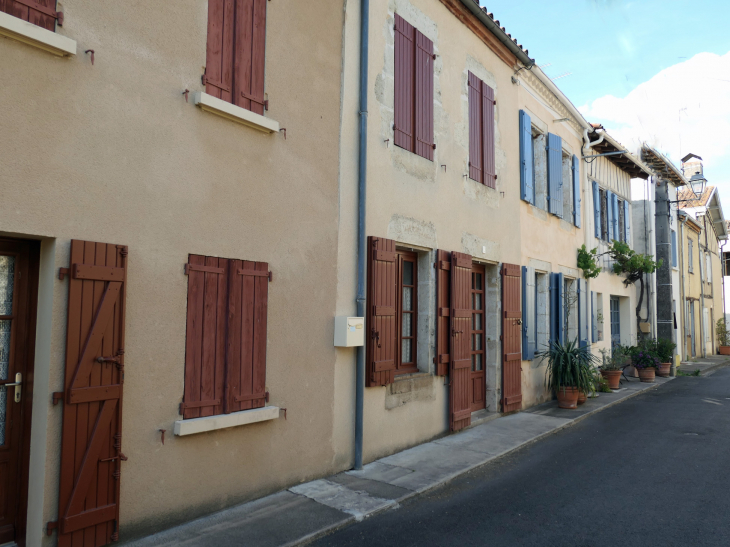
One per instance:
[(511, 338), (612, 221), (627, 222), (39, 12), (527, 183), (247, 317), (205, 337), (557, 307), (218, 77), (594, 318), (529, 325), (581, 311), (490, 166), (576, 191), (250, 54), (460, 370), (555, 174), (596, 211), (405, 56), (443, 312), (674, 250), (91, 456), (424, 97), (381, 316), (476, 145)]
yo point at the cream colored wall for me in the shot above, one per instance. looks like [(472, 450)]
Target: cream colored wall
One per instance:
[(113, 153)]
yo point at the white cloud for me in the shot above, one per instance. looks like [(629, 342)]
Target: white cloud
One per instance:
[(685, 108)]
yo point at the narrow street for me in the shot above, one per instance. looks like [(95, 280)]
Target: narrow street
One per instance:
[(654, 470)]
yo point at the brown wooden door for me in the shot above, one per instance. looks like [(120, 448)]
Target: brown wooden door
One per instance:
[(460, 370), (91, 455), (478, 352), (18, 282), (511, 338)]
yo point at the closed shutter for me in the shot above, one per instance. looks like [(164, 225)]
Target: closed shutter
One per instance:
[(476, 145), (247, 324), (576, 191), (205, 339), (557, 307), (594, 318), (611, 216), (529, 332), (424, 97), (555, 174), (579, 305), (674, 249), (586, 314), (527, 183), (250, 54), (39, 12), (596, 211), (91, 442), (627, 223), (443, 312), (218, 77), (461, 317), (490, 166), (405, 56), (511, 338), (381, 318), (616, 236)]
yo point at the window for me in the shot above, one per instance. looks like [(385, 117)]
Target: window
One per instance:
[(413, 109), (604, 214), (478, 344), (708, 268), (555, 174), (621, 221), (407, 310), (225, 345), (690, 259), (34, 11), (568, 204), (235, 58), (674, 248), (539, 148), (481, 132)]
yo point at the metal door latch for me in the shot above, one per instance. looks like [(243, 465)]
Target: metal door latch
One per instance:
[(17, 384)]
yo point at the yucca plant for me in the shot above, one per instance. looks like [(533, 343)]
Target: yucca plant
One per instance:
[(569, 365)]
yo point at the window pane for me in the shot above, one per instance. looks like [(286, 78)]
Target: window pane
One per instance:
[(406, 354), (407, 324), (479, 285), (476, 320), (3, 402), (4, 364), (7, 283), (477, 362), (477, 301), (478, 342), (407, 273), (407, 298)]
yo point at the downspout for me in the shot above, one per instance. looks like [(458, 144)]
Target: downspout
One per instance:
[(361, 234)]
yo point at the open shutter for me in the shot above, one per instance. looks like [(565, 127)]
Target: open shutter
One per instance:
[(579, 304), (529, 332), (460, 370), (596, 211), (248, 297), (576, 191), (594, 318), (250, 54), (424, 97), (527, 183), (405, 56), (611, 216), (476, 146), (88, 503), (205, 337), (443, 312), (555, 174), (627, 222), (381, 318), (557, 307), (511, 338), (614, 199), (490, 166), (218, 77), (38, 12)]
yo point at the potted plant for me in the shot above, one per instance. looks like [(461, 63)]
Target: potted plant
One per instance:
[(665, 353), (568, 371), (646, 362), (723, 337), (612, 366)]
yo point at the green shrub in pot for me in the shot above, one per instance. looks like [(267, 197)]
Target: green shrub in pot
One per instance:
[(569, 365)]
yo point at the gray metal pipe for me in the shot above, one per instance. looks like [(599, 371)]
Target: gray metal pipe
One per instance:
[(361, 233)]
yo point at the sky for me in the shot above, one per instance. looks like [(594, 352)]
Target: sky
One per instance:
[(655, 71)]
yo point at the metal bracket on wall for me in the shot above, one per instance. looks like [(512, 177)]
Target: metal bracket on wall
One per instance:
[(51, 526), (62, 272), (58, 396), (186, 93), (92, 55), (283, 130)]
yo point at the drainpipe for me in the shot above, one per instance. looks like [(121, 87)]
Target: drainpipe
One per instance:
[(361, 234)]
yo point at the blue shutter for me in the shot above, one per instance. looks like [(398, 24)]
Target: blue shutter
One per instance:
[(576, 191), (609, 208), (561, 308), (527, 184), (529, 326), (615, 216), (594, 318), (555, 174), (674, 249), (627, 223), (579, 297), (557, 309), (596, 211)]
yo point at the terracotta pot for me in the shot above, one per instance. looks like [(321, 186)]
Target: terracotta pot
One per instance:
[(613, 377), (581, 398), (568, 397), (647, 375), (663, 370), (724, 350)]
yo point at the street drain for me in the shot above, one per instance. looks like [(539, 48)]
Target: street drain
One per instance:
[(691, 433)]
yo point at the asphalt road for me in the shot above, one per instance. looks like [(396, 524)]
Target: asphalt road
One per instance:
[(654, 470)]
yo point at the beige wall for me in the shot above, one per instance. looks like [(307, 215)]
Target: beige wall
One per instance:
[(113, 153)]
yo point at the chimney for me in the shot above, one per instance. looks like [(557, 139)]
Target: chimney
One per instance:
[(692, 165)]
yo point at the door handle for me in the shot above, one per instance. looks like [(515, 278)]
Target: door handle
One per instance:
[(18, 384), (519, 321)]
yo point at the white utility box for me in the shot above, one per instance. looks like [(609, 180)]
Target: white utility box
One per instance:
[(349, 332)]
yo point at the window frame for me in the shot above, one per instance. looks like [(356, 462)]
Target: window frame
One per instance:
[(478, 269), (621, 220), (603, 197), (409, 367), (690, 257)]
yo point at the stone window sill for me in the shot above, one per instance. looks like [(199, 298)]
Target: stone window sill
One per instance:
[(28, 33), (235, 113), (223, 421)]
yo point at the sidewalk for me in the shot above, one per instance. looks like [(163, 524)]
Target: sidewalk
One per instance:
[(704, 364), (310, 510)]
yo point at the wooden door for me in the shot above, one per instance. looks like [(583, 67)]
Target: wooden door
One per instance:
[(511, 338), (478, 384), (18, 286), (460, 370), (91, 455)]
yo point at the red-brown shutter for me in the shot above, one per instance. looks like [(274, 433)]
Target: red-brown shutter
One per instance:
[(248, 306), (476, 149), (424, 96), (511, 338), (381, 317), (39, 12), (91, 456), (205, 337), (405, 46), (218, 76), (490, 168), (249, 54), (460, 373), (443, 312)]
